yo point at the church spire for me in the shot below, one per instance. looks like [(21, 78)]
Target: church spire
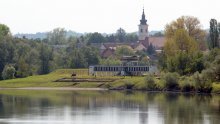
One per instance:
[(143, 20), (143, 29)]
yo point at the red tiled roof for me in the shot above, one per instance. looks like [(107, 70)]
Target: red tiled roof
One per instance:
[(158, 42)]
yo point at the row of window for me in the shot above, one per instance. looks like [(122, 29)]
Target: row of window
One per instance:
[(130, 69)]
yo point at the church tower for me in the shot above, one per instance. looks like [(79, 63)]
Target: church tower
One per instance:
[(143, 29)]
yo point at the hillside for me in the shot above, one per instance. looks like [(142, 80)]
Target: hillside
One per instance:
[(43, 35)]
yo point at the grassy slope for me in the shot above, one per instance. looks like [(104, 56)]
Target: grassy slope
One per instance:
[(40, 80), (48, 81)]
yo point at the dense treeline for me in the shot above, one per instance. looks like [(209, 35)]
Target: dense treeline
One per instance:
[(21, 57)]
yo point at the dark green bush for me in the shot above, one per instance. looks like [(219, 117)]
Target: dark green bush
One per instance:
[(8, 72), (171, 81)]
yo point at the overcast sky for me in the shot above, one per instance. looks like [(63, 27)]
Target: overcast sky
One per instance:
[(104, 16)]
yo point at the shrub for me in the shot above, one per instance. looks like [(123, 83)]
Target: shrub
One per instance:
[(171, 81), (188, 85), (150, 82), (8, 72), (202, 83), (209, 74), (212, 72)]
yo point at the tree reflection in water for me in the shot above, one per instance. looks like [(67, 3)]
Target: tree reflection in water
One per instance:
[(109, 106)]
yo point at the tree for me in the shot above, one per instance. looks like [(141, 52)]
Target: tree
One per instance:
[(121, 35), (32, 60), (180, 42), (214, 34), (124, 51), (96, 38), (191, 25), (132, 37), (45, 59), (26, 57), (181, 52), (78, 59), (150, 49), (8, 72), (110, 38), (7, 49), (72, 39), (91, 55), (219, 28), (4, 31), (57, 36), (188, 23), (22, 68), (162, 60), (212, 71)]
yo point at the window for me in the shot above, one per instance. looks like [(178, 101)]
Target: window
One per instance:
[(141, 30)]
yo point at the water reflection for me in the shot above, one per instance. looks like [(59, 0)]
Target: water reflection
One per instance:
[(109, 107)]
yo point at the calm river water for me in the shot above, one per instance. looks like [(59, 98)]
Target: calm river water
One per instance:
[(106, 107)]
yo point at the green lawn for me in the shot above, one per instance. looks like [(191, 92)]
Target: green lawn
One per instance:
[(48, 80), (42, 80)]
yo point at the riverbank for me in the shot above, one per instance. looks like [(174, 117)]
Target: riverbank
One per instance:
[(51, 82), (55, 88)]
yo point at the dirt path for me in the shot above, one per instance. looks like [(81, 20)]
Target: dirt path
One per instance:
[(52, 88)]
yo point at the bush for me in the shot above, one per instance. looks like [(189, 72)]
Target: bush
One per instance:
[(209, 74), (8, 72), (202, 83), (212, 72), (150, 82), (171, 81), (188, 85)]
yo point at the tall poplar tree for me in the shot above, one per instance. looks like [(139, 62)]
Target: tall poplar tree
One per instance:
[(214, 34)]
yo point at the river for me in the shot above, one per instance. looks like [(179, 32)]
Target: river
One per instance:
[(107, 107)]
